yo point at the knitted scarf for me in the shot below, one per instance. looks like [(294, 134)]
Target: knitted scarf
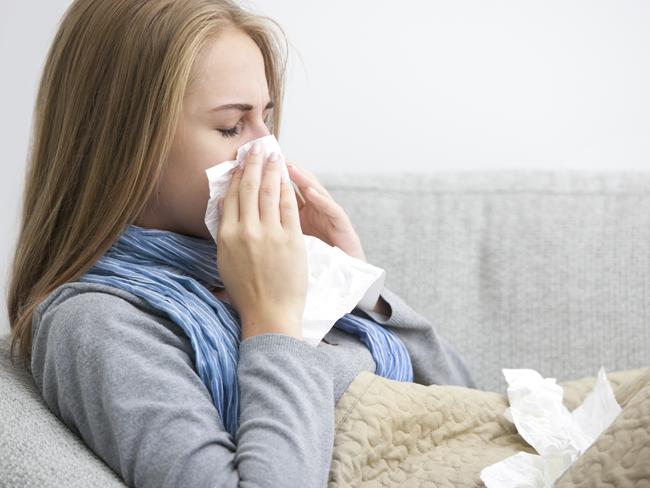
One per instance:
[(174, 273)]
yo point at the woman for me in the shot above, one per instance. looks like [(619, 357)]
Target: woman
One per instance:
[(171, 372)]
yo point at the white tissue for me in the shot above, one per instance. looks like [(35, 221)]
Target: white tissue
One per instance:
[(337, 282), (559, 436)]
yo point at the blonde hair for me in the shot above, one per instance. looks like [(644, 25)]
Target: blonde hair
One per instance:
[(108, 103)]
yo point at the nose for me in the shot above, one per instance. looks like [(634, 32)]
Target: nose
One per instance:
[(261, 131)]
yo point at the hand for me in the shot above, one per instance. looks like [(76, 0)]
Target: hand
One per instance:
[(261, 252), (322, 217)]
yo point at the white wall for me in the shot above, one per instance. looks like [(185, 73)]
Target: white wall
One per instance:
[(468, 84), (412, 85)]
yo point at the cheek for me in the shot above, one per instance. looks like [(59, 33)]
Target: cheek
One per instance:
[(185, 182), (202, 148), (185, 189)]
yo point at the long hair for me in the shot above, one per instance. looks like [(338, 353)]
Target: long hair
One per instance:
[(109, 99)]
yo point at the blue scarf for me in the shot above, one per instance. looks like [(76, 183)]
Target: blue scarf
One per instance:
[(174, 273)]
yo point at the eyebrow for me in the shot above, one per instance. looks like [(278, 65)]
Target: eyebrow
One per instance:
[(244, 107)]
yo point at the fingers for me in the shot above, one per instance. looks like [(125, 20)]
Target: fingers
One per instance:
[(250, 184), (257, 194), (230, 205), (270, 191), (289, 214), (298, 192), (304, 178)]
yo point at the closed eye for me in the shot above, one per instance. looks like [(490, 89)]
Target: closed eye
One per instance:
[(232, 132), (236, 130)]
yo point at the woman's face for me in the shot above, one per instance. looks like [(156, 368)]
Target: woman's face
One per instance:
[(229, 70)]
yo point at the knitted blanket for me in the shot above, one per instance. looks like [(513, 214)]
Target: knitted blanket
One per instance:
[(391, 433)]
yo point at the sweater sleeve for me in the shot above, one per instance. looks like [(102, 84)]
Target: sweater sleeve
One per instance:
[(435, 360), (124, 381)]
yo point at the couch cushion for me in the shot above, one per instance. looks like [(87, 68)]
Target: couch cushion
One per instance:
[(542, 270), (36, 449)]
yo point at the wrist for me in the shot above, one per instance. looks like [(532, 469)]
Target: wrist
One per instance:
[(247, 334), (252, 325)]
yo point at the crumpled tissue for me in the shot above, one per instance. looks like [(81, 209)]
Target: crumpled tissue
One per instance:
[(559, 436), (337, 282)]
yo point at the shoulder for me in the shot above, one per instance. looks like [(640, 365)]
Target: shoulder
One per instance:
[(83, 317), (96, 302), (87, 298)]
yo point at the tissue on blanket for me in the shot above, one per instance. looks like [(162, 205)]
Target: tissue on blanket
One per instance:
[(337, 282), (559, 436)]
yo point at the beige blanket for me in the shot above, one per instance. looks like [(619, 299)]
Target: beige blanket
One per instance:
[(391, 433)]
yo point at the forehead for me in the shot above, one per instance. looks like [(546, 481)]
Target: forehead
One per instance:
[(229, 68)]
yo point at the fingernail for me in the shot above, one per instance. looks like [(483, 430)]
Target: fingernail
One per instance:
[(256, 148), (285, 177), (274, 157)]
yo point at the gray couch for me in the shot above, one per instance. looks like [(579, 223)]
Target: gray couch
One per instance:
[(542, 270)]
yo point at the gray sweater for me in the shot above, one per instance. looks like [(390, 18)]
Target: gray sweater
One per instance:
[(121, 375)]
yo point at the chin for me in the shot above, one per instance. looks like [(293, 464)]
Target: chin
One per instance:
[(199, 232), (205, 234)]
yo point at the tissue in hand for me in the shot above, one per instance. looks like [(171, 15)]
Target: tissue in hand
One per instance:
[(337, 282), (559, 436)]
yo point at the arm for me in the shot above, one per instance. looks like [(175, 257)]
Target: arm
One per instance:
[(125, 382), (435, 360)]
